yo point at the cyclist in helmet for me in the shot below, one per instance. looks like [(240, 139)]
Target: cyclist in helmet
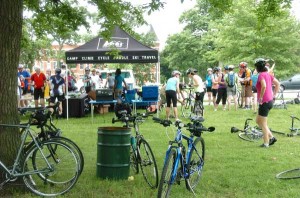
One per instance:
[(247, 84), (197, 83), (172, 89), (265, 98), (57, 89)]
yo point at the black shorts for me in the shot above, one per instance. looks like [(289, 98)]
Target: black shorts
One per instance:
[(214, 92), (254, 90), (264, 108), (171, 96), (38, 93), (208, 89), (199, 96), (59, 98)]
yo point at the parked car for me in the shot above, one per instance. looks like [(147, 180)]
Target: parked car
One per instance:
[(291, 83)]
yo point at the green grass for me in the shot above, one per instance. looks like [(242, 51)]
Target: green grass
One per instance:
[(233, 167)]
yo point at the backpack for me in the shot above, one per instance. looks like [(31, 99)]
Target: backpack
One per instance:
[(231, 80)]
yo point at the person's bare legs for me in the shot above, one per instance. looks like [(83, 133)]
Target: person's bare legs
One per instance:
[(235, 102), (209, 97), (175, 112), (263, 124), (36, 103), (168, 112), (42, 102), (229, 101)]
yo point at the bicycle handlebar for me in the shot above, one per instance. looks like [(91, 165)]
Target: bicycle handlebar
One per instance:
[(195, 127), (131, 118)]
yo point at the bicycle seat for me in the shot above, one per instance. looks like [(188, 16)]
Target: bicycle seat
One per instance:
[(197, 119)]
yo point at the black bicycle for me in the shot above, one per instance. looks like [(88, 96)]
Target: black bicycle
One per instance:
[(141, 154), (190, 106)]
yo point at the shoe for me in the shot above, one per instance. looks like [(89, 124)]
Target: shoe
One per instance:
[(272, 141), (264, 146)]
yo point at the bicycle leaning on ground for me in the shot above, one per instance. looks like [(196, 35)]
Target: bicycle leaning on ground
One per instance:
[(181, 162), (141, 154), (48, 168), (190, 106), (251, 133)]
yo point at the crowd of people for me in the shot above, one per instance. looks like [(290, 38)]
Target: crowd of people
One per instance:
[(258, 88)]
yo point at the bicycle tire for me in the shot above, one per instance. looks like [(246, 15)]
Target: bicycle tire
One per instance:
[(134, 166), (289, 174), (75, 148), (249, 137), (65, 168), (195, 163), (186, 107), (165, 184), (147, 163), (198, 109)]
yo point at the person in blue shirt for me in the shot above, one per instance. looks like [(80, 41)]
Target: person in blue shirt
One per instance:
[(208, 83), (172, 88), (26, 76), (118, 86)]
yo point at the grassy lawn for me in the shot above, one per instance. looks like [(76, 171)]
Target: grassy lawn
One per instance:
[(233, 167)]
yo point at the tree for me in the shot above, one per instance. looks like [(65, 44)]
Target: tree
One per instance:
[(110, 13)]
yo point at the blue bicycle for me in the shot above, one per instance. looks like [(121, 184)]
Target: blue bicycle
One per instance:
[(179, 163)]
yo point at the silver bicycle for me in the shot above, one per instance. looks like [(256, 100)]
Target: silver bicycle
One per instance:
[(48, 168)]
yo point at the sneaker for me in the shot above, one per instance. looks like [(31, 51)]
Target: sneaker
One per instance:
[(264, 146), (272, 141)]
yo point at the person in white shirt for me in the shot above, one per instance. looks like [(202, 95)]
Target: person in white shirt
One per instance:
[(95, 79)]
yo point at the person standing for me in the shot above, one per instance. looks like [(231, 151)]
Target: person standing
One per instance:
[(247, 83), (118, 85), (95, 80), (87, 80), (25, 76), (222, 91), (172, 89), (110, 81), (265, 98), (197, 83), (208, 83), (215, 84), (231, 80), (38, 80), (254, 78), (57, 87)]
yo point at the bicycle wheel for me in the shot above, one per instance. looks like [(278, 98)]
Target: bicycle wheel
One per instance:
[(54, 175), (289, 174), (251, 137), (74, 148), (164, 188), (198, 109), (195, 163), (186, 107), (148, 163), (134, 166)]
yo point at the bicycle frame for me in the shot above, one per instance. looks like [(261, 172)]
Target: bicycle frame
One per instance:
[(180, 150), (13, 172)]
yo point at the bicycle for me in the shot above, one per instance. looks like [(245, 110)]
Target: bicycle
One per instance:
[(49, 131), (48, 168), (179, 163), (294, 130), (190, 106), (141, 154), (251, 133)]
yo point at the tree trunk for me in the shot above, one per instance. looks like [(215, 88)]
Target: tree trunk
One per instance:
[(10, 36)]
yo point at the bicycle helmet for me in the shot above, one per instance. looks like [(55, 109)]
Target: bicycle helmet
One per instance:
[(260, 63), (176, 72), (57, 70), (243, 64), (209, 69), (190, 71), (216, 69), (87, 69), (226, 67)]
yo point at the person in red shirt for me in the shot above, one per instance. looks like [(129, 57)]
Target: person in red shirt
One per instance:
[(38, 80)]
